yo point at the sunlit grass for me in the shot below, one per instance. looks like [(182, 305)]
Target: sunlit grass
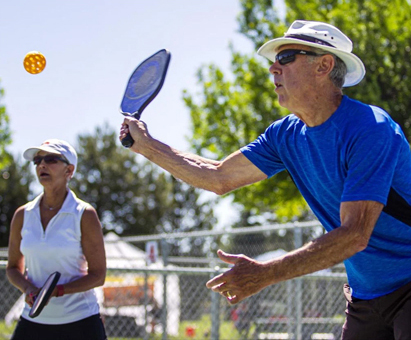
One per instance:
[(201, 330), (6, 331)]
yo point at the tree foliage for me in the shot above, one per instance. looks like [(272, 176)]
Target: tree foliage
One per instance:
[(381, 34), (15, 180), (131, 197), (5, 136), (232, 110)]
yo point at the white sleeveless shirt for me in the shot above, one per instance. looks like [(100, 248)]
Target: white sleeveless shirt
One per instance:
[(58, 248)]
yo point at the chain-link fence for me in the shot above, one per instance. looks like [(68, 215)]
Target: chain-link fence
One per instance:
[(143, 272)]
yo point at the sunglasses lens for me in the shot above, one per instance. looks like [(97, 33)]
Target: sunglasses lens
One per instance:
[(286, 57), (51, 159), (37, 160), (48, 159)]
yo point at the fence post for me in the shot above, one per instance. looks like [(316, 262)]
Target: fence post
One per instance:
[(298, 242), (215, 312), (145, 305), (164, 248), (290, 308)]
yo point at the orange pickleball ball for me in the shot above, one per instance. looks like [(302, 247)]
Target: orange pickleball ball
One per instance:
[(34, 62)]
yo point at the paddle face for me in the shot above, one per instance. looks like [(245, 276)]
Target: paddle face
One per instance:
[(44, 295), (143, 85)]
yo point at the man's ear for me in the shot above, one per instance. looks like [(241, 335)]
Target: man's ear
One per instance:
[(325, 65)]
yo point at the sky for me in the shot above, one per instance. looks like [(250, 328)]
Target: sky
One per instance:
[(92, 47)]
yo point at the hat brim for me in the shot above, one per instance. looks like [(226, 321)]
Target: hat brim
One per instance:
[(31, 152), (355, 67)]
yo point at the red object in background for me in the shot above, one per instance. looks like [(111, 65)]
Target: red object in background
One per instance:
[(190, 332)]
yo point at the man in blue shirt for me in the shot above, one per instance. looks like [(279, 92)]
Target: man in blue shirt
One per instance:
[(352, 164)]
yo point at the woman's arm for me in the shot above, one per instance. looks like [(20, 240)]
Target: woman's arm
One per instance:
[(15, 265), (93, 248)]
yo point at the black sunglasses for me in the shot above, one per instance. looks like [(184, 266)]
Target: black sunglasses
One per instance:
[(288, 56), (49, 159)]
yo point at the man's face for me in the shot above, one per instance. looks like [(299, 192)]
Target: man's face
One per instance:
[(294, 80)]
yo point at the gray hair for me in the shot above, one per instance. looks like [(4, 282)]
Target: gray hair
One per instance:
[(338, 73)]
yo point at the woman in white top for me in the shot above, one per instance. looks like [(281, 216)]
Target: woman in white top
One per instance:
[(57, 232)]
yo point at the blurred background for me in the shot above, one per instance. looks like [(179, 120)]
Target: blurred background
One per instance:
[(217, 97)]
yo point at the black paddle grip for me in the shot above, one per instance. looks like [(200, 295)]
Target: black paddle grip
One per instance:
[(127, 141)]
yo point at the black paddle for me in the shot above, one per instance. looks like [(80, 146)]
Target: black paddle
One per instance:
[(44, 295)]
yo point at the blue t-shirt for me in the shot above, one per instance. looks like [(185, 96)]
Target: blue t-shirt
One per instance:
[(359, 153)]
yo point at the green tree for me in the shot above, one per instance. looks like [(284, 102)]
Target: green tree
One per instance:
[(15, 180), (381, 34), (5, 136), (134, 198), (231, 111), (187, 211)]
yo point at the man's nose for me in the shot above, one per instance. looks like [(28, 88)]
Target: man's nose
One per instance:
[(275, 68)]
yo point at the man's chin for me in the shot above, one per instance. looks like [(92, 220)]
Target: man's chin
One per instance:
[(282, 100)]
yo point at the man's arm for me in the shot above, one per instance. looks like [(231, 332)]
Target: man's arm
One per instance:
[(219, 177), (248, 276)]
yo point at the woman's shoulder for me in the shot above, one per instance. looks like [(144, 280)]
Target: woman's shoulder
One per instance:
[(87, 210), (79, 203), (19, 213), (32, 204), (18, 217)]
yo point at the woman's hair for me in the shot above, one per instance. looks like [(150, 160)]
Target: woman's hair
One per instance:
[(338, 73)]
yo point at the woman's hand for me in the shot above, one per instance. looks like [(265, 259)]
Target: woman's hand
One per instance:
[(31, 294)]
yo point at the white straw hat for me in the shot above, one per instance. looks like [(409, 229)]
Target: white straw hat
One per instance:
[(320, 35), (56, 146)]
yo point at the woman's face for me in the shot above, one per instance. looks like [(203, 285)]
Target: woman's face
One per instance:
[(52, 168)]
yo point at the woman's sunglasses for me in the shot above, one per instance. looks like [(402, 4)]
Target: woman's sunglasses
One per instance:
[(49, 159), (288, 56)]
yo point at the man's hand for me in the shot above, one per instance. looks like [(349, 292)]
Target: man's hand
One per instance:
[(138, 130), (248, 277), (244, 279)]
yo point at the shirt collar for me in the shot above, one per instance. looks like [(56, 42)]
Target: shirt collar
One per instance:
[(69, 204)]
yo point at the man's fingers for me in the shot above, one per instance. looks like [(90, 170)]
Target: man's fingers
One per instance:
[(215, 282), (238, 282), (127, 120), (124, 128), (231, 298), (228, 258), (218, 282), (219, 285)]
